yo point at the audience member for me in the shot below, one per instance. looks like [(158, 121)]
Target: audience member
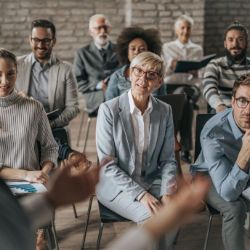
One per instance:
[(183, 49), (225, 156), (46, 78), (221, 73), (94, 63), (131, 42), (23, 124), (139, 134)]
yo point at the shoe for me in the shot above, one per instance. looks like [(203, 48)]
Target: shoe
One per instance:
[(186, 157)]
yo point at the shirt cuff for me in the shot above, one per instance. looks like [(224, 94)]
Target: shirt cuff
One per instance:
[(98, 85), (138, 198)]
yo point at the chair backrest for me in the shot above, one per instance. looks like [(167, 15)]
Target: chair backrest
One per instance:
[(201, 120), (176, 101)]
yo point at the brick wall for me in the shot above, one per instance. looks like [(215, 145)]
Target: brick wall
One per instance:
[(218, 15), (71, 20)]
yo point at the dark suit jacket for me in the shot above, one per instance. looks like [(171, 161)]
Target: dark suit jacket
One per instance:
[(90, 69)]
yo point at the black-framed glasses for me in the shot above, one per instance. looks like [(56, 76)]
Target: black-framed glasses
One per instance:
[(242, 102), (45, 41), (99, 28), (150, 75)]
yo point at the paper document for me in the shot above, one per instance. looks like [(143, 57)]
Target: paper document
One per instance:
[(185, 66), (24, 187)]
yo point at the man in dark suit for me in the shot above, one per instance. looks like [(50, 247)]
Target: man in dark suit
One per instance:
[(94, 63)]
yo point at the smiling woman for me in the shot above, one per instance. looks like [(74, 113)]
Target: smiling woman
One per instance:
[(23, 124)]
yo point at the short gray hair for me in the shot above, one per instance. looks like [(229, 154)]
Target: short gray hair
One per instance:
[(184, 18), (93, 18), (150, 60)]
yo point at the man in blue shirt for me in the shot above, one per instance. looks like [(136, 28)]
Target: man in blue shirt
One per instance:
[(225, 142)]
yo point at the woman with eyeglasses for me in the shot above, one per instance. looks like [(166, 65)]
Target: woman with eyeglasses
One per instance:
[(23, 125), (131, 42), (137, 131)]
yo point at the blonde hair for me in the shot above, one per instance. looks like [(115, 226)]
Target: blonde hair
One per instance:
[(149, 60)]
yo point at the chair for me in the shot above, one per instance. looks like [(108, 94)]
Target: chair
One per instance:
[(91, 116), (201, 120), (176, 101), (106, 216)]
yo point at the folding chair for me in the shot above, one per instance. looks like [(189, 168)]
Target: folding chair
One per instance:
[(201, 120)]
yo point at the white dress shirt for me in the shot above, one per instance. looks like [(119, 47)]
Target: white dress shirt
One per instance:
[(176, 50)]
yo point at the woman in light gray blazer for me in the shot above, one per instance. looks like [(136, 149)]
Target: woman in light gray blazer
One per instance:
[(137, 131)]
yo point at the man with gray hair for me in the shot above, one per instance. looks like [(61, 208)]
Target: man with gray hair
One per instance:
[(183, 49), (94, 63)]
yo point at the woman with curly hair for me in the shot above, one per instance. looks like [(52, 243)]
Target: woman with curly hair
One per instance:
[(131, 42)]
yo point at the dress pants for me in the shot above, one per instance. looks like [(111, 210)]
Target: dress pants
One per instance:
[(137, 212), (233, 219)]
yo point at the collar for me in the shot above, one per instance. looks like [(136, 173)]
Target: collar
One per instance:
[(134, 109), (10, 99), (34, 60), (189, 44), (235, 129), (104, 47)]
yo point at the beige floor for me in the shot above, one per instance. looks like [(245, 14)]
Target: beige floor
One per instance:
[(70, 230)]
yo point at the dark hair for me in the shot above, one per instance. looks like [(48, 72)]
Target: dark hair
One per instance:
[(236, 25), (150, 36), (243, 80), (6, 54), (44, 24)]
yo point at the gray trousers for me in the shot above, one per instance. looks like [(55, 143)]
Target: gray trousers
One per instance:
[(233, 219), (137, 212)]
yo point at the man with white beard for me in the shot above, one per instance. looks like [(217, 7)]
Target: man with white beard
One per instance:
[(94, 63)]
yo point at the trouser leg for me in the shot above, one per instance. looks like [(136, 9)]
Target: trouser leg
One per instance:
[(233, 219)]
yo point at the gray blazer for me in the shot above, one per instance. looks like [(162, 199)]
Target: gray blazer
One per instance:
[(62, 87), (90, 69), (114, 137)]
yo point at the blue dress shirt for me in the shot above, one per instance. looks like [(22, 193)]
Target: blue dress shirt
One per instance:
[(221, 141)]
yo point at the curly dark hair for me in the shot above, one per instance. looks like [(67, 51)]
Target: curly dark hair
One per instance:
[(150, 36)]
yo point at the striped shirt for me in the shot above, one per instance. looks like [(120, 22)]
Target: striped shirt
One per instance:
[(219, 78), (23, 123)]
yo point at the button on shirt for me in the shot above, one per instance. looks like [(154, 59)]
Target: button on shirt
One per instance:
[(141, 127), (39, 82), (221, 141)]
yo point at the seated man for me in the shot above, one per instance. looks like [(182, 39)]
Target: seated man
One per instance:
[(137, 130), (184, 49), (221, 73), (226, 157)]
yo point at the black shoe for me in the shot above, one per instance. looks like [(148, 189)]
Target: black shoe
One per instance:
[(186, 157)]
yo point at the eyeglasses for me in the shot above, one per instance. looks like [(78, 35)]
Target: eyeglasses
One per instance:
[(242, 102), (99, 28), (150, 75), (45, 41)]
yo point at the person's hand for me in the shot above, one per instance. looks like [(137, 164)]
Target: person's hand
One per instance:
[(151, 202), (165, 199), (244, 154), (183, 205), (220, 108), (173, 64), (194, 73), (37, 176), (104, 85), (65, 188)]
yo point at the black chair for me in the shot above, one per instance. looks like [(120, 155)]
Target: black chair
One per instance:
[(176, 101), (106, 216), (201, 120)]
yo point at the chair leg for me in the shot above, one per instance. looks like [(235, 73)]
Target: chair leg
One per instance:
[(86, 135), (208, 230), (74, 210), (87, 222), (99, 236), (51, 238), (80, 128)]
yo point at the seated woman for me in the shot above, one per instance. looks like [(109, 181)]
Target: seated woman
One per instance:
[(137, 130), (131, 42), (23, 125)]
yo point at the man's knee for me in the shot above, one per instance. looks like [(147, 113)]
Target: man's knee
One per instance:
[(235, 211)]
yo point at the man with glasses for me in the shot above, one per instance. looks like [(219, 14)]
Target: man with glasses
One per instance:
[(221, 73), (46, 78), (94, 63), (225, 142)]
